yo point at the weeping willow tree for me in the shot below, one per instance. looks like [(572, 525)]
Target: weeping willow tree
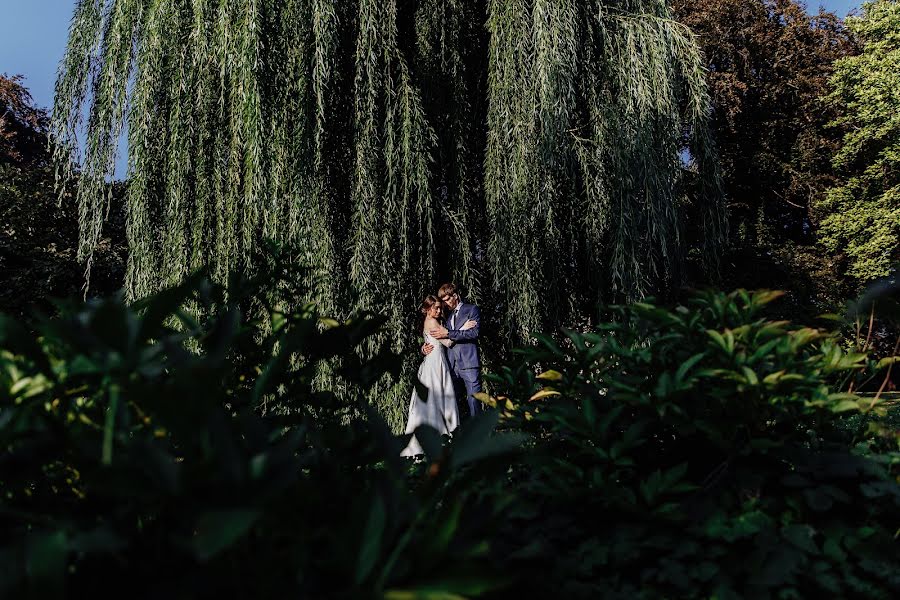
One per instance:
[(530, 150), (589, 103)]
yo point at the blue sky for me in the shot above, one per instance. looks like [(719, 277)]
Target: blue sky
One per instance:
[(33, 37)]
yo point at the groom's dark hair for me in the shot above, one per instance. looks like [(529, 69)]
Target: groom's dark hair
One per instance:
[(447, 289)]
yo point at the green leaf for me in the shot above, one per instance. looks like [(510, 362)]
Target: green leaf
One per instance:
[(887, 361), (772, 378), (545, 393), (46, 559), (832, 549), (217, 530), (473, 440), (447, 527), (650, 487), (844, 405), (609, 418), (765, 349), (781, 566), (752, 379), (801, 536), (763, 297), (549, 343), (818, 500), (102, 540), (430, 440), (550, 375), (718, 339), (370, 543), (877, 489), (674, 475), (588, 410), (706, 570), (688, 365)]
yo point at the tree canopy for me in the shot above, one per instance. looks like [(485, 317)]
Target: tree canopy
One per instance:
[(768, 66), (38, 233), (528, 150), (769, 62), (861, 216), (23, 127)]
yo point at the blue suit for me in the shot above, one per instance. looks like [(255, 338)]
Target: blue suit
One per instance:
[(465, 361)]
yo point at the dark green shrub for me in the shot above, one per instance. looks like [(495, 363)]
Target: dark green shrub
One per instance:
[(133, 465), (695, 452)]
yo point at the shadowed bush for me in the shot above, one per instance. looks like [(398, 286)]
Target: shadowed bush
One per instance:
[(702, 452), (132, 462), (691, 452)]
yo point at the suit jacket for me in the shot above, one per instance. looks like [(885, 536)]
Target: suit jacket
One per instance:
[(464, 352)]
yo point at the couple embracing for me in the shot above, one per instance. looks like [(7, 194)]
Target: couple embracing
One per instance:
[(451, 361)]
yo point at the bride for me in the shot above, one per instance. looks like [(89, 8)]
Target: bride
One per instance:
[(438, 409)]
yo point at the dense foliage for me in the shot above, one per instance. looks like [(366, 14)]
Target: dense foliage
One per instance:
[(861, 216), (700, 452), (131, 463), (768, 64), (397, 145), (23, 127), (694, 452), (38, 223)]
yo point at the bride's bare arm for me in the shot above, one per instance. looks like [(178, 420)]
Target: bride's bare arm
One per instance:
[(431, 324)]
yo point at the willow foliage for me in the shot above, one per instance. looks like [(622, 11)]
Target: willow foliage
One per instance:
[(530, 150), (589, 102)]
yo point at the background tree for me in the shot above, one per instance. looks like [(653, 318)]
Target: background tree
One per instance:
[(23, 127), (768, 65), (39, 233), (861, 215), (534, 160)]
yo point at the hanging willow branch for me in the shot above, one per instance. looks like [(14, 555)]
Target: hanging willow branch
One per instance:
[(528, 149), (589, 103)]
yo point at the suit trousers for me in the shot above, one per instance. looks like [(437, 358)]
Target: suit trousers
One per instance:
[(470, 378)]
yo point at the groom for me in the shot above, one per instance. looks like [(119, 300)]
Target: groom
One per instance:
[(463, 355)]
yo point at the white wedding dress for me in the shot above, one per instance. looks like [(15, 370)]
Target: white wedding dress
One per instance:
[(439, 409)]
